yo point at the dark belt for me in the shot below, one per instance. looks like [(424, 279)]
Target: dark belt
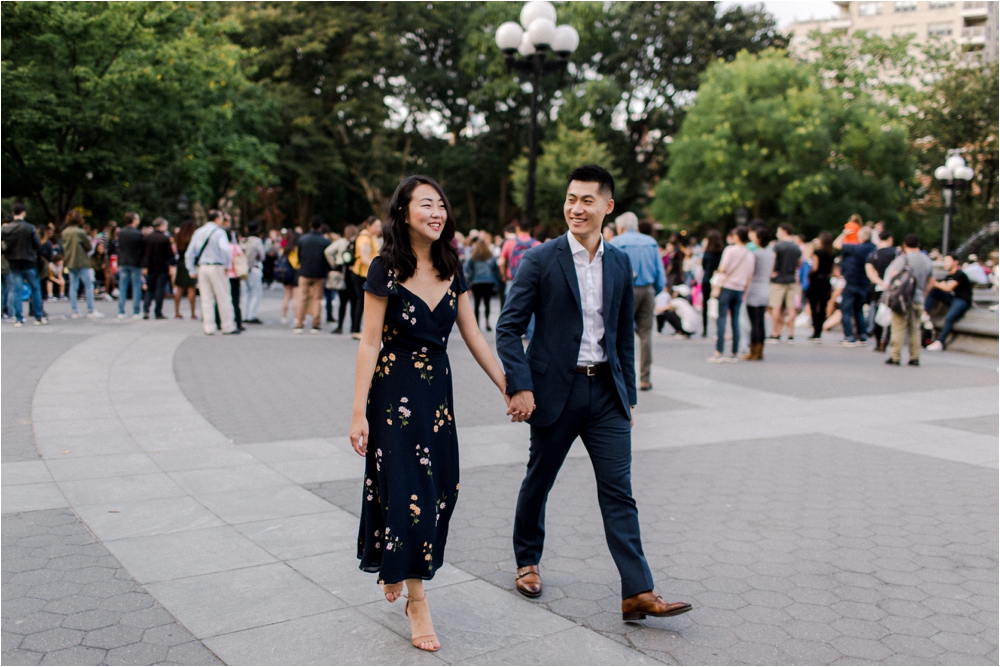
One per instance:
[(593, 369)]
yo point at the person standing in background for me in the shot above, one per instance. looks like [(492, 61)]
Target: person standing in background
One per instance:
[(158, 255), (366, 247), (648, 279), (313, 268), (852, 265), (483, 275), (21, 244), (908, 323), (736, 269), (184, 283), (758, 292), (130, 252), (819, 283), (875, 266), (710, 259), (77, 249), (253, 249), (784, 283), (208, 256), (340, 257)]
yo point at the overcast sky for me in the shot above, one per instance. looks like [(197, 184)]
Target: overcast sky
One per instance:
[(787, 11)]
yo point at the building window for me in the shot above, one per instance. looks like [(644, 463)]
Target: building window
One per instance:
[(906, 6), (902, 30), (869, 8), (940, 4), (939, 29)]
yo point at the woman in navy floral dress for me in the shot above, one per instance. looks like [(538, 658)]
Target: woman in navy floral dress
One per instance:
[(404, 420)]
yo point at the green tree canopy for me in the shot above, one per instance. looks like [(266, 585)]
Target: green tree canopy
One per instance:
[(765, 133), (127, 105), (567, 150)]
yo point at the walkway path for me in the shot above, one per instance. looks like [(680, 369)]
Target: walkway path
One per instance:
[(859, 523)]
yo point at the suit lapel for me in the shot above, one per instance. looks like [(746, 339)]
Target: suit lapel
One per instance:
[(565, 259)]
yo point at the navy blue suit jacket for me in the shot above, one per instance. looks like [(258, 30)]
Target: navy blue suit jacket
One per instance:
[(546, 287)]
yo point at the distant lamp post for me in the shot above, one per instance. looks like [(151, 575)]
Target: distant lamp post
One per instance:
[(533, 38), (954, 177)]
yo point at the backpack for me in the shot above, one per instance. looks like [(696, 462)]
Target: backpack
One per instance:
[(520, 247), (899, 292), (347, 258)]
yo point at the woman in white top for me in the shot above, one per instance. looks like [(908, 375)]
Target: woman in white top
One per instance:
[(734, 273)]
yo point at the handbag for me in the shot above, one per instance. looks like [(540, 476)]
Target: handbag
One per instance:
[(713, 307), (241, 266), (883, 315), (335, 280)]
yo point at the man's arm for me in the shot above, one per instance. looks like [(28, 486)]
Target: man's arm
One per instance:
[(626, 336), (660, 272), (873, 274), (513, 323), (838, 242)]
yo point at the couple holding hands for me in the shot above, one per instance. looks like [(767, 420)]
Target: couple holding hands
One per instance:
[(576, 379)]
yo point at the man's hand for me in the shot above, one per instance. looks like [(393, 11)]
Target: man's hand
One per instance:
[(521, 405)]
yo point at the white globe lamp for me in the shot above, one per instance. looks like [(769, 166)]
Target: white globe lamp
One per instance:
[(509, 37), (537, 10)]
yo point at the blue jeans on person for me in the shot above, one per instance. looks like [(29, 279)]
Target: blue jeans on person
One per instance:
[(5, 301), (852, 305), (17, 279), (730, 301), (956, 309), (86, 276), (130, 275)]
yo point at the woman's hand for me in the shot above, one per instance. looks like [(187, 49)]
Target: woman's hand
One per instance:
[(359, 434)]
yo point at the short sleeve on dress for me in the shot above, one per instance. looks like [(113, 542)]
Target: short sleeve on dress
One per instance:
[(461, 285), (379, 282)]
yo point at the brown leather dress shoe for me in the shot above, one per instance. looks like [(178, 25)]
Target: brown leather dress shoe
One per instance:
[(649, 603), (529, 582)]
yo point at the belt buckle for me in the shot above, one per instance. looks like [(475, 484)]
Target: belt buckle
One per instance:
[(591, 370)]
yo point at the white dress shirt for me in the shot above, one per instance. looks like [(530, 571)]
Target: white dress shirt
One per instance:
[(590, 278), (216, 252)]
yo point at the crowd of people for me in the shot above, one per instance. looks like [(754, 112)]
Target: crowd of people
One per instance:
[(743, 283)]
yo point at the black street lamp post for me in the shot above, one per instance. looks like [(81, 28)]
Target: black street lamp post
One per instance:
[(954, 176), (533, 38)]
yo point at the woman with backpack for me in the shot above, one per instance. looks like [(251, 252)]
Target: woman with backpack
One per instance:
[(483, 275), (340, 256)]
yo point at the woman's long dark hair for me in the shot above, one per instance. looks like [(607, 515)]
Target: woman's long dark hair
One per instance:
[(183, 236), (825, 243), (396, 251), (715, 243)]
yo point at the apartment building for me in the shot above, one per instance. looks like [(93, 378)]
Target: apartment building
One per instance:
[(971, 24)]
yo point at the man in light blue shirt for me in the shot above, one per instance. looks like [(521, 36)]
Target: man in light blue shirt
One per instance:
[(209, 255), (648, 278)]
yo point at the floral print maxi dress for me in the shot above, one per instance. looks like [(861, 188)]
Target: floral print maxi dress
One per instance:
[(411, 469)]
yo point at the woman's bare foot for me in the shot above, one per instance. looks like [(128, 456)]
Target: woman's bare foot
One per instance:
[(392, 591), (421, 626)]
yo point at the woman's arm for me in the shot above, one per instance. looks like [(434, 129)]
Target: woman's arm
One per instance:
[(371, 343), (473, 337)]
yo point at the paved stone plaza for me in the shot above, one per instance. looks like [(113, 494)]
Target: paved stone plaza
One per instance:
[(175, 498)]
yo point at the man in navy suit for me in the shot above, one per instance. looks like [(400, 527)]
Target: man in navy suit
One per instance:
[(580, 368)]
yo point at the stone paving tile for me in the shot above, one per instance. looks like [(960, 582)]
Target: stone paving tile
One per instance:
[(67, 601), (774, 542)]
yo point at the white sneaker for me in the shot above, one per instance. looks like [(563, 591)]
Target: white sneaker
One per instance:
[(314, 330), (18, 324), (75, 316), (297, 330), (96, 315), (936, 346), (121, 316)]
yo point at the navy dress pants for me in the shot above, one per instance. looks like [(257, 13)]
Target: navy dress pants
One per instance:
[(593, 412)]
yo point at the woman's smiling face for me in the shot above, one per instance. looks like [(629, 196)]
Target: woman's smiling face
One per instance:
[(426, 214)]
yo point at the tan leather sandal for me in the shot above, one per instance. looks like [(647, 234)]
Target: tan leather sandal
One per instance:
[(422, 639)]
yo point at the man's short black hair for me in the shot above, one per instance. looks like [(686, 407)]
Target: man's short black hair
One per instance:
[(19, 208), (885, 234), (316, 222), (253, 227), (912, 241), (787, 228), (213, 215), (646, 227), (592, 173)]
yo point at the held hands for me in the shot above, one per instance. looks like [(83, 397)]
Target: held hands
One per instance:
[(520, 405), (359, 434)]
